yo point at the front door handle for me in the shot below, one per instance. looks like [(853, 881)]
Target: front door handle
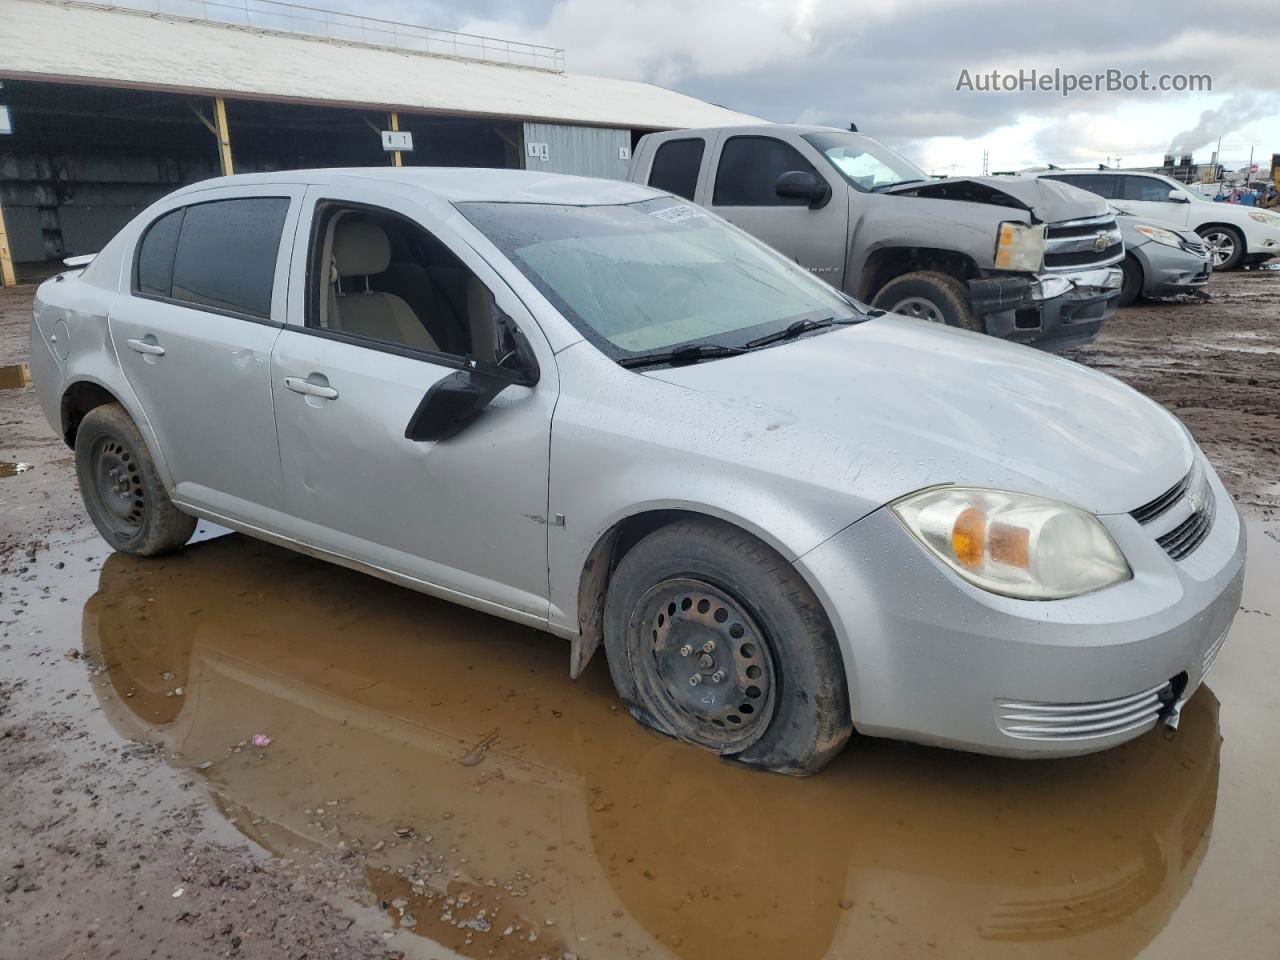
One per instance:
[(309, 389), (147, 347)]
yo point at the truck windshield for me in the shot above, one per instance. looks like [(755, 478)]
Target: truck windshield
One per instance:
[(867, 166), (656, 275)]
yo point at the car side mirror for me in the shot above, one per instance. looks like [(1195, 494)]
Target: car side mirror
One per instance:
[(455, 402), (1177, 196), (803, 185)]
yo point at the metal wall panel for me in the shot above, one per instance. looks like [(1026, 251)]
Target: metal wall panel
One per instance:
[(584, 151)]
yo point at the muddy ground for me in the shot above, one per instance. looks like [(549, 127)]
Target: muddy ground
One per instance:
[(435, 786)]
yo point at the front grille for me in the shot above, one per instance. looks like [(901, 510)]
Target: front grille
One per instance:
[(1029, 720), (1149, 511), (1091, 242), (1189, 534), (1194, 491), (1193, 246)]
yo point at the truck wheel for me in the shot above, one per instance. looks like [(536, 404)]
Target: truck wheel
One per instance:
[(714, 639), (928, 295), (1131, 285), (1226, 246), (121, 490)]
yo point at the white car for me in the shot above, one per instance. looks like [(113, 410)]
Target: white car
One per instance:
[(1234, 234)]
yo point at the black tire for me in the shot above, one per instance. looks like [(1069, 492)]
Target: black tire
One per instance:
[(781, 672), (928, 295), (1218, 237), (1131, 285), (121, 489)]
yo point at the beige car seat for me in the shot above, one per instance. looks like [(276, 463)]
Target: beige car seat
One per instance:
[(361, 249)]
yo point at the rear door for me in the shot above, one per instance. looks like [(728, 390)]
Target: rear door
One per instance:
[(194, 327), (746, 168)]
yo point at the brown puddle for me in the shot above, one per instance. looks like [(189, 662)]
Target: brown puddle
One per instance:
[(482, 796), (15, 376)]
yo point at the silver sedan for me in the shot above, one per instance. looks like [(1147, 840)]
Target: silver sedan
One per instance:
[(599, 410)]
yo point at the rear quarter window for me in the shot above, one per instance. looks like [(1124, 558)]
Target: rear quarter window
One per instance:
[(155, 255)]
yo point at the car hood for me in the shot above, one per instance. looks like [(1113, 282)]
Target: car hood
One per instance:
[(1048, 200), (894, 405)]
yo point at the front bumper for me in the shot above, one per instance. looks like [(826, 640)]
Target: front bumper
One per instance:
[(1169, 271), (1051, 310), (932, 659)]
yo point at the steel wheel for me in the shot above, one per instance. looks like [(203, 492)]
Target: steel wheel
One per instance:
[(1222, 246), (117, 486), (704, 666), (920, 308)]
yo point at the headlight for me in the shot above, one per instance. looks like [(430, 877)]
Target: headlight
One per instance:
[(1271, 220), (1020, 247), (1167, 237), (1015, 544)]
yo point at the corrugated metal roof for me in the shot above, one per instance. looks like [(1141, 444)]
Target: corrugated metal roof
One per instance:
[(78, 42)]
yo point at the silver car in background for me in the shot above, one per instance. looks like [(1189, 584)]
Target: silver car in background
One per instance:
[(601, 411), (1160, 260)]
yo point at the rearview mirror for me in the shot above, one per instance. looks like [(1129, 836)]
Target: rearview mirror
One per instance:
[(803, 185), (1177, 196), (454, 403)]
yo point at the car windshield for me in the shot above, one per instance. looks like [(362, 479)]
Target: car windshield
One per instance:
[(656, 275), (867, 166)]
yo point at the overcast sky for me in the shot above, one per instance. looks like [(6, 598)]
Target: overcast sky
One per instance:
[(892, 67)]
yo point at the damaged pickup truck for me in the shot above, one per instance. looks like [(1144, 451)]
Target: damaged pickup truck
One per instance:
[(1022, 259)]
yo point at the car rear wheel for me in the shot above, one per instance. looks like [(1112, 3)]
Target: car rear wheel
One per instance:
[(122, 491), (1131, 285), (1226, 246), (929, 295), (714, 639)]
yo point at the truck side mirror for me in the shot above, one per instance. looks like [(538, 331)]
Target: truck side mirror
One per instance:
[(1177, 196), (803, 185)]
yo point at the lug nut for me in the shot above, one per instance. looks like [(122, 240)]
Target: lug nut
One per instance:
[(717, 676), (709, 646), (686, 650), (695, 680)]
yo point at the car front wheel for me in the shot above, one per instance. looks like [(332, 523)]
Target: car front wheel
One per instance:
[(929, 295), (714, 639), (122, 491), (1131, 287)]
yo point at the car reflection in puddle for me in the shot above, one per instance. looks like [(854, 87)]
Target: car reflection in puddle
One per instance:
[(499, 809)]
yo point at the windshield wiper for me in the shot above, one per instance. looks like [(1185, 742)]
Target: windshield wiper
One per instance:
[(798, 328), (691, 353)]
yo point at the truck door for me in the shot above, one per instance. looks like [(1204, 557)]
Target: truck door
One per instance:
[(744, 192)]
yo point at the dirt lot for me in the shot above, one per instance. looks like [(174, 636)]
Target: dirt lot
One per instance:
[(434, 786)]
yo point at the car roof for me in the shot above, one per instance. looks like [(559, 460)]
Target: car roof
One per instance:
[(456, 184), (755, 129)]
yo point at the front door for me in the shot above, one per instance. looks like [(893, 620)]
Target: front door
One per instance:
[(743, 191), (194, 327), (1148, 197), (390, 309)]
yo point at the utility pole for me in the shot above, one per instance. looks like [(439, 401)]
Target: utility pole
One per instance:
[(985, 155)]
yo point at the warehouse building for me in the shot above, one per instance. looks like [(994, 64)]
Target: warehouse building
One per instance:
[(104, 108)]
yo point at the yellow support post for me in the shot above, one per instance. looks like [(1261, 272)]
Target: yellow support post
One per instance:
[(7, 277), (224, 136), (395, 125)]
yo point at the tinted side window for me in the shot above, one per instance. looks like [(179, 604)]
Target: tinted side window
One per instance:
[(155, 255), (749, 169), (227, 254), (675, 167), (1104, 185), (1146, 188)]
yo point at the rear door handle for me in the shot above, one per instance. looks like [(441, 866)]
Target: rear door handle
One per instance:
[(309, 389), (148, 347)]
